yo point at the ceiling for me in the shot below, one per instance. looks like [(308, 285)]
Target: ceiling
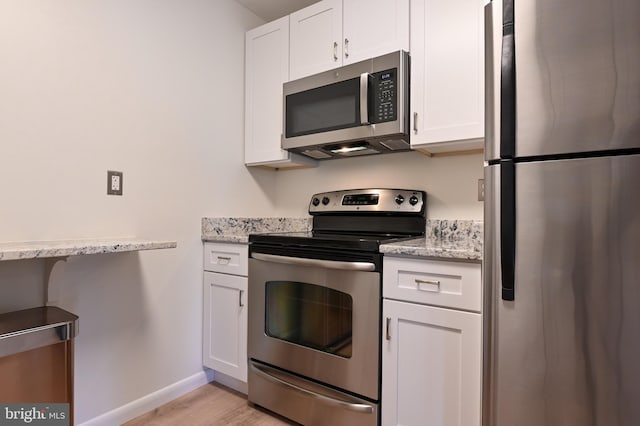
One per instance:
[(274, 9)]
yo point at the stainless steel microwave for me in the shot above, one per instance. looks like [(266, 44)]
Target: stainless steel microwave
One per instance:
[(358, 109)]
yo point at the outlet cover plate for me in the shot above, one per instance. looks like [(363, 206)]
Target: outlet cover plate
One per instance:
[(114, 183)]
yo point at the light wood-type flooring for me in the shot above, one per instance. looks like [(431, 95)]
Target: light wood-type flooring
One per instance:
[(211, 404)]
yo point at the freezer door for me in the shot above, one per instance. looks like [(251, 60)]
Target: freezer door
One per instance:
[(492, 67), (577, 79), (566, 350)]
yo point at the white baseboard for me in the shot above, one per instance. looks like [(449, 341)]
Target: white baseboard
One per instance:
[(153, 400)]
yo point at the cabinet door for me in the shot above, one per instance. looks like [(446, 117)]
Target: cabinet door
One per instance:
[(374, 27), (431, 366), (316, 38), (447, 74), (267, 67), (225, 324)]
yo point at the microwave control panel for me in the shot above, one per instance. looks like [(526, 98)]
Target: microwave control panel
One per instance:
[(385, 96)]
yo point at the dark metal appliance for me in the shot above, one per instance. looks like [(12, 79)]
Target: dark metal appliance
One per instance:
[(358, 109), (562, 229), (315, 306)]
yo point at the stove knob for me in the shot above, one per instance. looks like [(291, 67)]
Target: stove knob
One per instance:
[(399, 199), (413, 200), (315, 201), (325, 200)]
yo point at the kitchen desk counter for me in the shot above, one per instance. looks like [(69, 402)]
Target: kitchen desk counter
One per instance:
[(59, 249), (450, 239)]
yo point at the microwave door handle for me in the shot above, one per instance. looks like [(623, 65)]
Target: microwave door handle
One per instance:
[(364, 98)]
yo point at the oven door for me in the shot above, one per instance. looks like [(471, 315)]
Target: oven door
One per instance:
[(317, 318)]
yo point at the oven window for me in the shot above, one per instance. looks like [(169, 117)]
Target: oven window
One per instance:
[(309, 315)]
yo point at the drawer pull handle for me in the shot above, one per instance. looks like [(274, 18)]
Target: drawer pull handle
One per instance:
[(240, 298), (431, 283), (224, 260)]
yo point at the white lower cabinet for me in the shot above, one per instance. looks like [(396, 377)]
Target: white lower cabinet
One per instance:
[(224, 346), (431, 355)]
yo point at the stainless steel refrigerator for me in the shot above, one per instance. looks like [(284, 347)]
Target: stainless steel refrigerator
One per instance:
[(562, 213)]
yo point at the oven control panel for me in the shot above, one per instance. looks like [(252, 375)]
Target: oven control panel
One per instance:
[(369, 200)]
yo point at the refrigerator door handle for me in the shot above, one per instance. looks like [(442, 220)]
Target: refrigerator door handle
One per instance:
[(508, 228), (492, 63), (508, 84)]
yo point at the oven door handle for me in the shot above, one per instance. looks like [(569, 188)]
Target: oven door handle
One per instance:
[(303, 261), (351, 406)]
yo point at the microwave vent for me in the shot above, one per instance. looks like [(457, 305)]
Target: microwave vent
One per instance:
[(316, 154), (395, 144), (365, 151)]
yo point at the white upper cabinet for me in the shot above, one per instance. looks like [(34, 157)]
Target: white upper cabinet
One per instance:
[(374, 27), (332, 33), (447, 75), (267, 68), (316, 38)]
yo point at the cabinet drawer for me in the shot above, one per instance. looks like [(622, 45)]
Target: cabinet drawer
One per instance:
[(432, 282), (226, 258)]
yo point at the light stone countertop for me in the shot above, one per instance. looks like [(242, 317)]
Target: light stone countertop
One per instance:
[(237, 229), (451, 239), (62, 248), (427, 247)]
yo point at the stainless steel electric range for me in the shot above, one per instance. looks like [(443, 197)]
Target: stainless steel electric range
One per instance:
[(315, 304)]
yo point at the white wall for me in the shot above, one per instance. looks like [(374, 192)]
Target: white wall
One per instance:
[(152, 88), (451, 182)]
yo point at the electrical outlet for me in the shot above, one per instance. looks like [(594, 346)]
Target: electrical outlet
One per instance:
[(480, 189), (114, 183)]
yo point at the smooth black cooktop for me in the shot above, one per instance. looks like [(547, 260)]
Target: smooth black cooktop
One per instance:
[(327, 240)]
